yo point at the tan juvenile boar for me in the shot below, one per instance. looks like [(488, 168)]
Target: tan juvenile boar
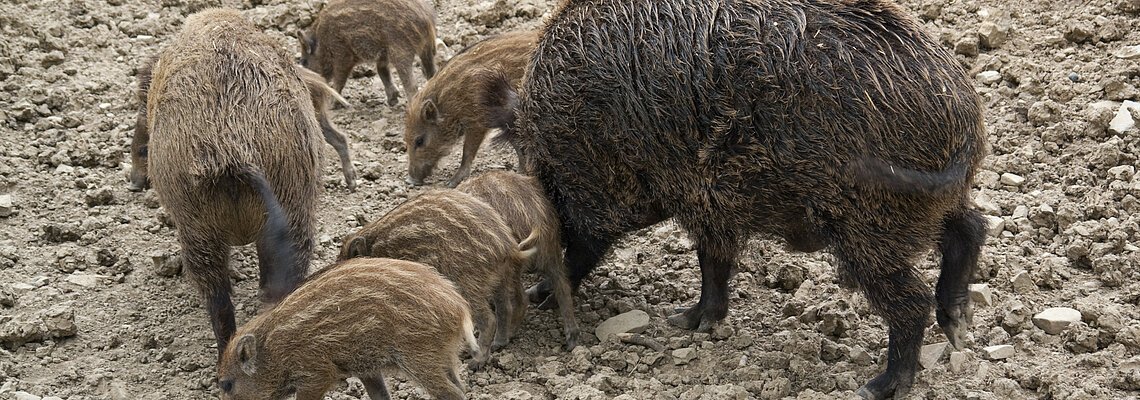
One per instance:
[(363, 317), (322, 95), (467, 241), (234, 153), (349, 32), (523, 205), (447, 108), (319, 91)]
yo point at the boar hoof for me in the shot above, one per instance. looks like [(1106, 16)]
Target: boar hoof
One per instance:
[(571, 342), (883, 387), (414, 182), (393, 100), (476, 364), (953, 323)]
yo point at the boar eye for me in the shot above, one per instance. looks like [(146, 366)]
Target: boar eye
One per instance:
[(227, 385), (420, 141)]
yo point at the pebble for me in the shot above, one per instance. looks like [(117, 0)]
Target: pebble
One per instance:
[(992, 35), (85, 280), (1055, 320), (684, 355), (55, 322), (980, 293), (999, 352), (1023, 283), (957, 361), (24, 396), (932, 353), (988, 77), (1128, 52), (1074, 77), (166, 265), (994, 225), (635, 321), (7, 206), (1012, 179), (1122, 121), (1079, 32), (967, 46)]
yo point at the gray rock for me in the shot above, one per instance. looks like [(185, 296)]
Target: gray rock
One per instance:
[(992, 35), (166, 265), (932, 353), (635, 321), (980, 293), (7, 206), (99, 197), (684, 355), (967, 46), (1128, 52), (119, 391), (988, 77), (55, 322), (999, 352), (994, 225), (1012, 179), (1080, 32), (85, 280), (957, 361), (24, 396), (1023, 283), (1055, 320)]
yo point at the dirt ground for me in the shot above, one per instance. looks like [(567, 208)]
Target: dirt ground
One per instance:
[(91, 309)]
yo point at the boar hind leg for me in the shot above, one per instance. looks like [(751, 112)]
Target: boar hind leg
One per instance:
[(427, 61), (583, 253), (717, 256), (897, 293), (206, 261), (386, 78), (436, 373), (963, 235), (375, 387), (485, 322), (407, 80), (339, 142)]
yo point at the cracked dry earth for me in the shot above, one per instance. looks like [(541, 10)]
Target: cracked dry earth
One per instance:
[(91, 307)]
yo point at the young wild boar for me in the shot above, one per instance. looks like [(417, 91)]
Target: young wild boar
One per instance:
[(834, 124), (524, 207), (319, 91), (467, 241), (231, 164), (447, 108), (362, 318), (349, 32), (322, 95)]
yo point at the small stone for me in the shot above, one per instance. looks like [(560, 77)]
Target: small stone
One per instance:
[(999, 352), (85, 280), (55, 57), (99, 197), (684, 355), (7, 207), (1023, 283), (992, 35), (980, 293), (932, 353), (1012, 179), (988, 77), (957, 361), (1074, 77), (166, 265), (994, 225), (1079, 32), (1123, 121), (24, 396), (119, 391), (1054, 320), (1128, 52), (635, 321), (967, 46), (1122, 172)]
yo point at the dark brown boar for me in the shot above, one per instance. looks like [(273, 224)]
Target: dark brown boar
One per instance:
[(836, 124), (319, 91), (321, 95), (234, 154), (349, 32), (521, 203), (447, 108), (469, 243), (362, 317)]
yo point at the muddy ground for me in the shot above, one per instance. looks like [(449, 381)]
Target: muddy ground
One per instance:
[(89, 310)]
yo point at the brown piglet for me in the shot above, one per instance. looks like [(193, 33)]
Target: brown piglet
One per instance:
[(362, 317), (349, 32), (231, 165), (467, 241), (447, 108), (523, 205)]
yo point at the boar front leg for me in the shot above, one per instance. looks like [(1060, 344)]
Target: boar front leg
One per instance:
[(716, 253), (471, 142), (375, 387)]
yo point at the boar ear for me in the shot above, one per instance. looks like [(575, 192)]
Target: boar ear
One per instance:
[(431, 113), (357, 247), (246, 350), (500, 100)]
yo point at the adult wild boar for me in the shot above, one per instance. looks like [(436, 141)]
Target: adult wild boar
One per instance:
[(233, 155), (834, 124)]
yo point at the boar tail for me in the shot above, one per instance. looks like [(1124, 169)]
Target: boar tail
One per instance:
[(469, 332), (877, 173), (527, 246), (282, 255)]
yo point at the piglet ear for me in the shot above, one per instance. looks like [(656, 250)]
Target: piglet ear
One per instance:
[(246, 350), (431, 113), (357, 247)]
